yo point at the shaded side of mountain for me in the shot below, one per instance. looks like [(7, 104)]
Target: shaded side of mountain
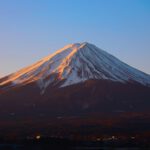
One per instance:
[(93, 96)]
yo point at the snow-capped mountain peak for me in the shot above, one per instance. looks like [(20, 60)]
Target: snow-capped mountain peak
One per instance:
[(73, 64)]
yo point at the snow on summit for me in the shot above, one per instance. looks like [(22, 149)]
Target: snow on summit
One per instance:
[(73, 64)]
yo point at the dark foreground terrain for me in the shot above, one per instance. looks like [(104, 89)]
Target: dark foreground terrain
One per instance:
[(92, 115), (118, 131), (111, 143)]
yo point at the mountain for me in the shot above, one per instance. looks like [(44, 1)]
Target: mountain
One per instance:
[(78, 80), (73, 64)]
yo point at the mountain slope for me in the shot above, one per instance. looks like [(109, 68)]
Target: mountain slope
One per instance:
[(73, 64)]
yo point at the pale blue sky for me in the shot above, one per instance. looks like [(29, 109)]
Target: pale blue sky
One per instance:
[(32, 29)]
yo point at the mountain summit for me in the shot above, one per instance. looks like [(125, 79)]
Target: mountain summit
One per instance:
[(73, 64)]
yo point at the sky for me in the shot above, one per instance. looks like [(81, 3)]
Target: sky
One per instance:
[(33, 29)]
